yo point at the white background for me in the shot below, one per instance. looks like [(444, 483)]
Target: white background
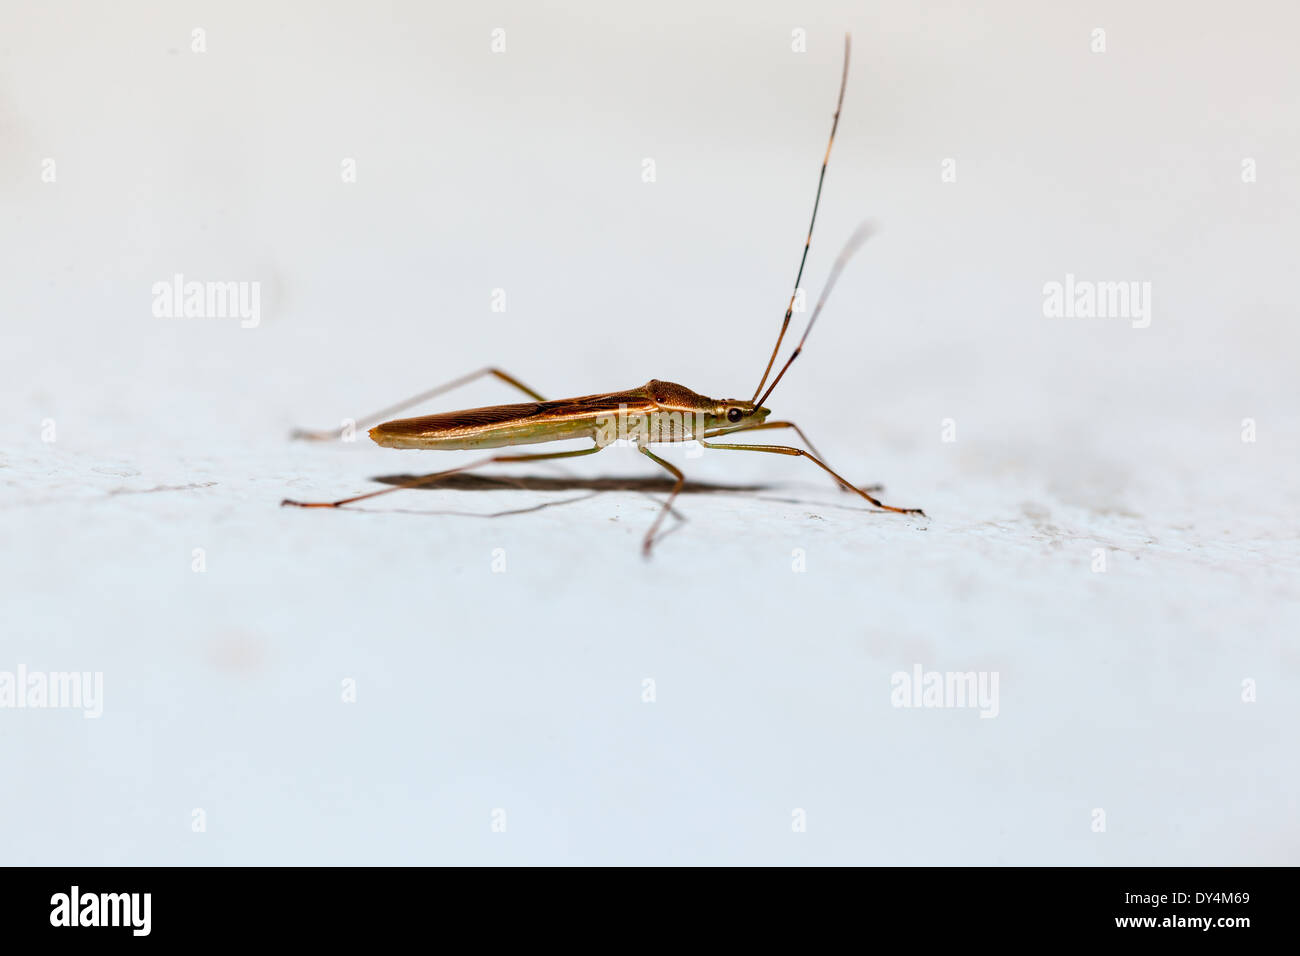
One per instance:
[(1119, 691)]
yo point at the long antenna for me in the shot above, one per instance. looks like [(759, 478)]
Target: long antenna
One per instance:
[(789, 309), (860, 235)]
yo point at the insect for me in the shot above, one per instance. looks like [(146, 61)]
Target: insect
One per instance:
[(654, 412)]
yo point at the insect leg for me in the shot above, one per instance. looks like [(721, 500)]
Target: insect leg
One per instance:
[(649, 541), (387, 413), (712, 432), (759, 427), (786, 450), (430, 479)]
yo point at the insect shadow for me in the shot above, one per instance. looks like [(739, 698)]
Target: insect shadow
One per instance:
[(468, 482), (593, 487), (552, 483)]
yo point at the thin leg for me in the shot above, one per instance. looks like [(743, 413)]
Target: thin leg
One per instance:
[(649, 541), (429, 479), (386, 413), (806, 440), (786, 450)]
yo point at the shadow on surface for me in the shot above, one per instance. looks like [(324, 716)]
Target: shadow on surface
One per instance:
[(565, 483), (593, 487)]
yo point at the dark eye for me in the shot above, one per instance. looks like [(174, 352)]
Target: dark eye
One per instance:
[(734, 414)]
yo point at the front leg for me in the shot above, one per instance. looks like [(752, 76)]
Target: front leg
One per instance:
[(787, 450), (712, 432)]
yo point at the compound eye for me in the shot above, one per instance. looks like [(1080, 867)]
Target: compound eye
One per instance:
[(734, 415)]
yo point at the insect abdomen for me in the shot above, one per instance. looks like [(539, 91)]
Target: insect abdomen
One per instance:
[(495, 426), (429, 433)]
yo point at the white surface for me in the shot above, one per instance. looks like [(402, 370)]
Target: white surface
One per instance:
[(522, 690)]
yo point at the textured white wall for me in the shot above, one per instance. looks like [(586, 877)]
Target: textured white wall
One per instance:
[(522, 171)]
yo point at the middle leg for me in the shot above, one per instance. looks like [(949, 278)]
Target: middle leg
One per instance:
[(649, 541)]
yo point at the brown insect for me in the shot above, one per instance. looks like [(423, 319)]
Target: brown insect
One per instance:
[(654, 412)]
